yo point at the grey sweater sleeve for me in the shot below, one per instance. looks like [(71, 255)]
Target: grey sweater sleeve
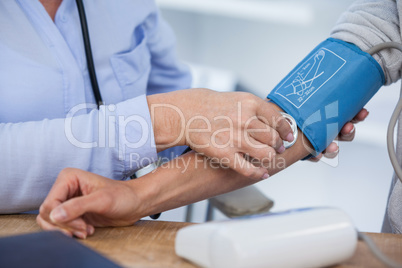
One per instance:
[(370, 22)]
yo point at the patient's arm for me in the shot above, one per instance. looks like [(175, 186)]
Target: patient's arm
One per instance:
[(80, 200)]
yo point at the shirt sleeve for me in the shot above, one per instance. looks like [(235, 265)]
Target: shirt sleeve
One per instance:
[(113, 142), (370, 22), (167, 72)]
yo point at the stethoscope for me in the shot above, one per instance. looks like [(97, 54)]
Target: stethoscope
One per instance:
[(88, 53)]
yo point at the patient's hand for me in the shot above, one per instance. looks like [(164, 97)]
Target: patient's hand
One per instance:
[(80, 200), (347, 133)]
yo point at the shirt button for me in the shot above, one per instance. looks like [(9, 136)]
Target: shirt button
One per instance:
[(63, 18)]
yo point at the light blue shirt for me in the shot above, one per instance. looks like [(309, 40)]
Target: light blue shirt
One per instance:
[(47, 120)]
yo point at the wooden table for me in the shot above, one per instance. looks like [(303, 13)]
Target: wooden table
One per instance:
[(151, 243)]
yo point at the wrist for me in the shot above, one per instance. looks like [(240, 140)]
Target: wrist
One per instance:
[(302, 144), (143, 196), (167, 119)]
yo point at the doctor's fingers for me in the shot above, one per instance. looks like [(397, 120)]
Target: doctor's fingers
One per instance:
[(268, 115), (238, 161), (265, 134), (240, 164), (259, 152)]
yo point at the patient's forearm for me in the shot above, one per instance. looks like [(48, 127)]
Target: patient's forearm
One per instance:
[(300, 150), (191, 178), (184, 180)]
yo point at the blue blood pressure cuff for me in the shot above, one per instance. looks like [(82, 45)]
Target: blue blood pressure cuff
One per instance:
[(327, 89)]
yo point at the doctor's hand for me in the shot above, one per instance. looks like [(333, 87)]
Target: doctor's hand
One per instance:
[(80, 200), (347, 133), (230, 127)]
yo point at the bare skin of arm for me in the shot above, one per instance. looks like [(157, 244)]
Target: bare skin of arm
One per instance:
[(80, 200)]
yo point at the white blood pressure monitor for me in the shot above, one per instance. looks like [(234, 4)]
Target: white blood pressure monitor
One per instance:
[(318, 237)]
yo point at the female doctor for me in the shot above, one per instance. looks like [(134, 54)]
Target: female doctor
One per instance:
[(48, 115)]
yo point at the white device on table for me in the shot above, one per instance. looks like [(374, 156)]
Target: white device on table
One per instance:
[(314, 237)]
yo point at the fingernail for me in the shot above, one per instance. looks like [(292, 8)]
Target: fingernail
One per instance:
[(290, 137), (265, 176), (281, 149), (90, 229), (57, 215), (80, 234), (351, 132), (332, 154)]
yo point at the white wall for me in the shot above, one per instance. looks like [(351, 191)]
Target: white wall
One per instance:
[(261, 51)]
